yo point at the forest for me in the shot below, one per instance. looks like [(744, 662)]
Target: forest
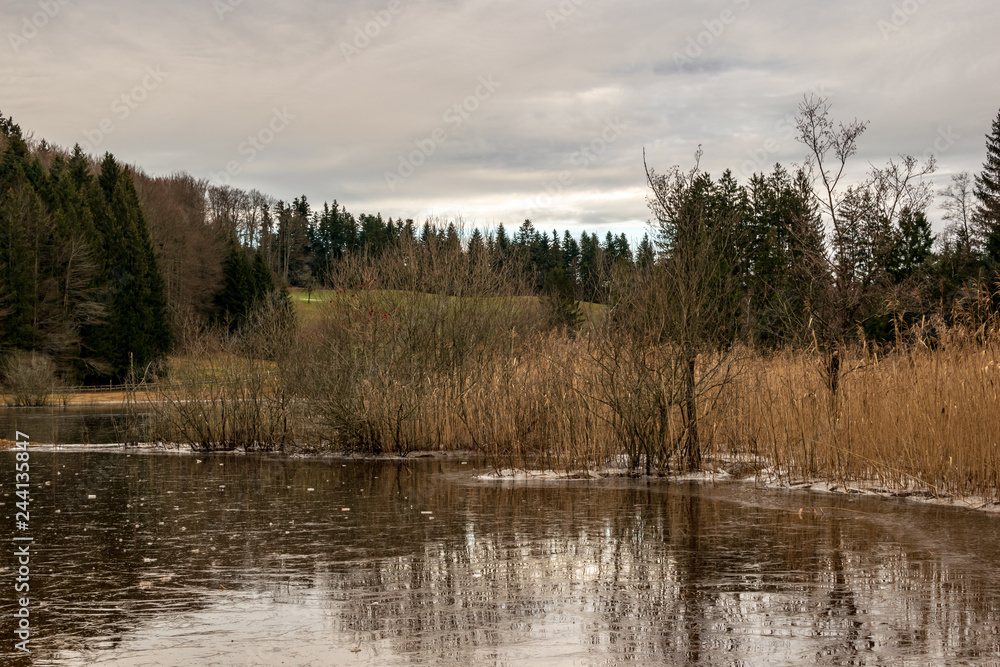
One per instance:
[(796, 318)]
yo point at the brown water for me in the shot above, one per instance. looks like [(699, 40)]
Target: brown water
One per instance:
[(255, 561), (81, 424)]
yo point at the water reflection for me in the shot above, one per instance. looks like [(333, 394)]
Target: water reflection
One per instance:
[(238, 560), (74, 425)]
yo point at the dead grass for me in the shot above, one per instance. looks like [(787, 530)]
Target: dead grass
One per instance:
[(920, 420), (472, 366)]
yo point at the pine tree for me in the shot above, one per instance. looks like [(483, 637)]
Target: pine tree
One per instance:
[(238, 287), (477, 247), (987, 190), (559, 300), (17, 287), (913, 245), (500, 255), (645, 254), (137, 333), (247, 284)]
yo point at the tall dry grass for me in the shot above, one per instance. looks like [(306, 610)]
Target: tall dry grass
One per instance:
[(424, 348), (228, 394), (441, 353), (919, 420)]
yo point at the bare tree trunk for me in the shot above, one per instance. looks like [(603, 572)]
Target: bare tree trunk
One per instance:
[(833, 371), (692, 446)]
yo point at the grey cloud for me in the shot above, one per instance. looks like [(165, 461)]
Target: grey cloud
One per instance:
[(560, 84)]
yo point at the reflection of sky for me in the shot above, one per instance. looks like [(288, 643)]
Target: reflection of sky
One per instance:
[(560, 83), (557, 573)]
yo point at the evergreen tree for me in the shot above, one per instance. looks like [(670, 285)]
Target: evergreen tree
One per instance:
[(452, 244), (247, 283), (591, 269), (623, 250), (645, 254), (47, 275), (913, 245), (263, 279), (555, 257), (559, 300), (477, 247), (293, 242), (987, 190), (235, 299), (777, 234), (428, 236), (525, 235), (17, 284), (137, 333), (571, 253), (500, 255)]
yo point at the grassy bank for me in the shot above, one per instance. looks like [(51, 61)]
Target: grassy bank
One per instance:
[(448, 354), (392, 372)]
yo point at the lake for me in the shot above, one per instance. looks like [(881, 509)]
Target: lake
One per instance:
[(159, 558)]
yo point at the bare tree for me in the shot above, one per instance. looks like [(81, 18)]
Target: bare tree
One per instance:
[(694, 294), (188, 247), (959, 206), (861, 221)]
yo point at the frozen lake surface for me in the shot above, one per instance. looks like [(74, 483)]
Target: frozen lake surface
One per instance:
[(241, 560)]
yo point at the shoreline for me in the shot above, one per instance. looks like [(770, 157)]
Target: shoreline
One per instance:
[(765, 478)]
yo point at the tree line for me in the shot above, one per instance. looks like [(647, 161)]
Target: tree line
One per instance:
[(105, 269), (79, 277)]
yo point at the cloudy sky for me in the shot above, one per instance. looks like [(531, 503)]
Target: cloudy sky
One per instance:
[(493, 111)]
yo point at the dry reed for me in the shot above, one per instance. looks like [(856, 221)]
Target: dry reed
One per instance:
[(454, 359)]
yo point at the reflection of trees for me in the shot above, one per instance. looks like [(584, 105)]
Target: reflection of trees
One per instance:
[(627, 571), (652, 574)]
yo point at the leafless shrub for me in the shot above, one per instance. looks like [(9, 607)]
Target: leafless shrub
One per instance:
[(229, 393), (387, 362), (28, 379)]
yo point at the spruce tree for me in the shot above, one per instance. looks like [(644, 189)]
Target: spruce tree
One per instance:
[(987, 190), (477, 247), (559, 301), (246, 285), (263, 280), (16, 285), (571, 254), (233, 301), (645, 254), (913, 245), (137, 333)]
